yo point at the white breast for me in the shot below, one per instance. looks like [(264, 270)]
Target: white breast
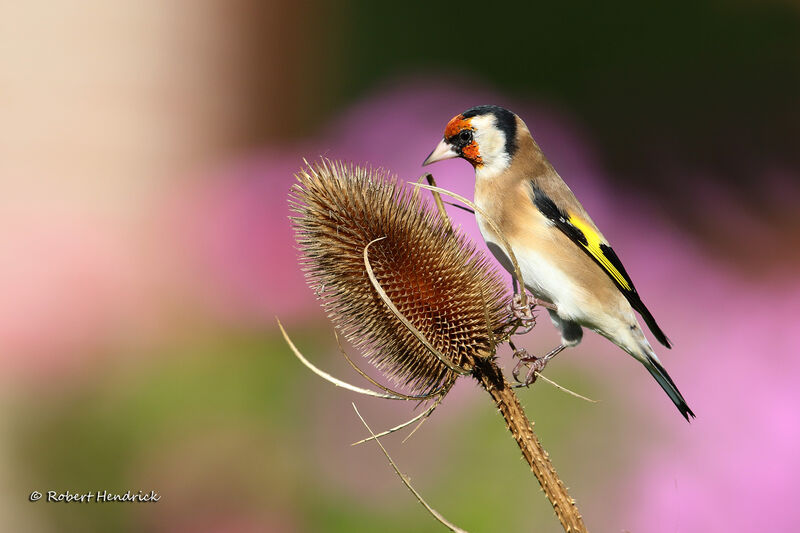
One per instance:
[(543, 277)]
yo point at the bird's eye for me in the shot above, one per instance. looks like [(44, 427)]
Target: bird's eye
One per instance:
[(465, 136)]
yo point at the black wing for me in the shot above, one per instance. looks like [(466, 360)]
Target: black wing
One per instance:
[(587, 239)]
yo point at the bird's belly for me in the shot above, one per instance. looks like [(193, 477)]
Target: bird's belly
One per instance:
[(546, 280), (543, 277)]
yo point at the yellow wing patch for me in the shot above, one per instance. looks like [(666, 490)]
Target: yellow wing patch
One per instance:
[(592, 245)]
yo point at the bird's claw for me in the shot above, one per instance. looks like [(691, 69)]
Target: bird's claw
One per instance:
[(535, 365), (522, 313)]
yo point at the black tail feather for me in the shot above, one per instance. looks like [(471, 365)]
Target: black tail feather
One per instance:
[(660, 374)]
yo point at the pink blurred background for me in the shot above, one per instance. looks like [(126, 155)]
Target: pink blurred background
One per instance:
[(146, 151)]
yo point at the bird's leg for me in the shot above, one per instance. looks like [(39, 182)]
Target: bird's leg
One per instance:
[(524, 313), (534, 302), (535, 364)]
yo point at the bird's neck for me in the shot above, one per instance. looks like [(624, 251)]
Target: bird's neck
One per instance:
[(491, 191), (498, 188), (492, 169)]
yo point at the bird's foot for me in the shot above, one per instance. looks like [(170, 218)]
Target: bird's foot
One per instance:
[(535, 364), (523, 313)]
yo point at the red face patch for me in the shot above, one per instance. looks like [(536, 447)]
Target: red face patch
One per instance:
[(472, 154), (455, 125), (470, 151)]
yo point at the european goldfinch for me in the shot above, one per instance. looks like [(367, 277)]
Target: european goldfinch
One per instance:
[(565, 260)]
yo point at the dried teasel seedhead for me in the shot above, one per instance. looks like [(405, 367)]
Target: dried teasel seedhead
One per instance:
[(434, 276)]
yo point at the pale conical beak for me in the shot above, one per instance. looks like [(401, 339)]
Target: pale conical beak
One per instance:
[(440, 153)]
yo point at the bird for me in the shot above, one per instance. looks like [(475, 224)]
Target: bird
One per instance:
[(566, 263)]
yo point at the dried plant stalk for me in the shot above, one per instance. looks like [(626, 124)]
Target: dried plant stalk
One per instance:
[(491, 378), (403, 285)]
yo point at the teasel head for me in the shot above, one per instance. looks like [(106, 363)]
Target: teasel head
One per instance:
[(433, 276)]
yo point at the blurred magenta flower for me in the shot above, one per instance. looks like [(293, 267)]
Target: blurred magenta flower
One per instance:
[(237, 223), (224, 246), (235, 232), (78, 283), (736, 468)]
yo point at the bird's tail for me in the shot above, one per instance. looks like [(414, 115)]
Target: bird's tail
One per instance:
[(636, 344), (660, 374)]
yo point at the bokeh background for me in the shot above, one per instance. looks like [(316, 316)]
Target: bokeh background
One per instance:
[(146, 151)]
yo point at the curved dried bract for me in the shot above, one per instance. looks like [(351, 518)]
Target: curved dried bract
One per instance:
[(419, 418), (438, 393), (434, 277), (406, 322), (330, 379)]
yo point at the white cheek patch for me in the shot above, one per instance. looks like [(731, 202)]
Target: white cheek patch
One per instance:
[(491, 145)]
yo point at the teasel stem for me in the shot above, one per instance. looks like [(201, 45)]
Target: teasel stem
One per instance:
[(489, 375)]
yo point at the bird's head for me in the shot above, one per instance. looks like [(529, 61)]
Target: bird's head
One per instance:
[(486, 136)]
